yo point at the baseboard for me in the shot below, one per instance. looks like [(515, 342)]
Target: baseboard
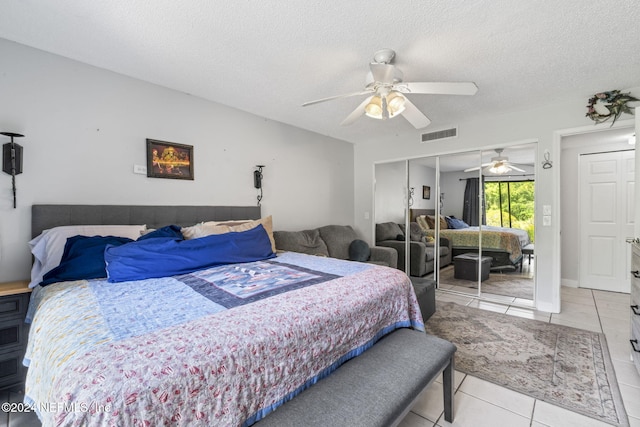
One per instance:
[(569, 283)]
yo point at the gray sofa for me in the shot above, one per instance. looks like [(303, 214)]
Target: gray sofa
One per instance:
[(336, 241), (392, 235)]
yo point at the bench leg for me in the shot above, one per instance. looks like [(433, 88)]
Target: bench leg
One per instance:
[(448, 385)]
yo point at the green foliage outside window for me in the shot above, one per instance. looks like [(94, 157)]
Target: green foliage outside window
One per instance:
[(510, 204)]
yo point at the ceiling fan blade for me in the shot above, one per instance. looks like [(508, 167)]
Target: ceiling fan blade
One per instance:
[(484, 165), (355, 114), (382, 73), (415, 116), (347, 95), (516, 168), (439, 88)]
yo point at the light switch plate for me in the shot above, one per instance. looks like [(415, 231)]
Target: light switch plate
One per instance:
[(546, 210), (546, 220), (142, 170)]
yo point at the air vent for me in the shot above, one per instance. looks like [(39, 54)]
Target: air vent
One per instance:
[(440, 134)]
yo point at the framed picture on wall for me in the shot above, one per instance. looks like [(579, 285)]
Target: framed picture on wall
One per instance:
[(169, 160), (426, 192)]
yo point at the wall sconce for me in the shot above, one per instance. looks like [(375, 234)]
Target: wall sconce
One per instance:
[(257, 181), (547, 163), (12, 160)]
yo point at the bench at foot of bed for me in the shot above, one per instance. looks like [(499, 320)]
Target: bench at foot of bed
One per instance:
[(377, 388)]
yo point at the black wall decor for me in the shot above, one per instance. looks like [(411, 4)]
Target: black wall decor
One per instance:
[(12, 160)]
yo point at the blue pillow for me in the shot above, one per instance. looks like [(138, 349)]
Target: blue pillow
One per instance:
[(166, 256), (456, 223), (172, 231), (82, 258)]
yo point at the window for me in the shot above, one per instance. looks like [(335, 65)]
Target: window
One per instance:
[(510, 204)]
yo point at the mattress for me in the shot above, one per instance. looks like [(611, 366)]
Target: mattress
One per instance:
[(497, 239), (220, 346)]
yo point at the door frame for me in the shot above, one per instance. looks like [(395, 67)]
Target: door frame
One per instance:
[(555, 156)]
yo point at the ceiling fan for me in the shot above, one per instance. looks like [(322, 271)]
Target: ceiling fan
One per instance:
[(387, 91), (499, 164)]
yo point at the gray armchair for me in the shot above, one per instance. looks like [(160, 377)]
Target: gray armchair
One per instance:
[(392, 235)]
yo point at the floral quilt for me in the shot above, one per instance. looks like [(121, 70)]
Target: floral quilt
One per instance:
[(493, 239), (223, 346)]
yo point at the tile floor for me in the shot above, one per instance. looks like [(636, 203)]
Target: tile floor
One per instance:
[(479, 403)]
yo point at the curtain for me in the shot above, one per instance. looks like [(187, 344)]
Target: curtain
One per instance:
[(472, 206)]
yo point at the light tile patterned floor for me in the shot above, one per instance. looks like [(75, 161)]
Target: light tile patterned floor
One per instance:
[(479, 403)]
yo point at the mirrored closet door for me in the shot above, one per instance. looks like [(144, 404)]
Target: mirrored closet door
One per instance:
[(479, 207), (393, 199)]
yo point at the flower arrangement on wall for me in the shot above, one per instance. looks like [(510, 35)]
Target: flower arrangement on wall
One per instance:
[(606, 105)]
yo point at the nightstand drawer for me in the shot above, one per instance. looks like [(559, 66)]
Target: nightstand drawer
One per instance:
[(14, 306), (12, 371), (12, 334)]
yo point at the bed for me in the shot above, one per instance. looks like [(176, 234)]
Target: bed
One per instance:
[(222, 345), (503, 244)]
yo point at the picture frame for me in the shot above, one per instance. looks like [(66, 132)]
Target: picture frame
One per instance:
[(426, 192), (169, 160)]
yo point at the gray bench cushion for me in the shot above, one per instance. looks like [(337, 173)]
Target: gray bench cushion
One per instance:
[(376, 388)]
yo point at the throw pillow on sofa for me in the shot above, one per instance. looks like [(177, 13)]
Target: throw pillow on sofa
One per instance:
[(387, 231), (359, 250), (306, 242)]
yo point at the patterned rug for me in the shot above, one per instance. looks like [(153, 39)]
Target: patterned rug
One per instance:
[(509, 284), (563, 366)]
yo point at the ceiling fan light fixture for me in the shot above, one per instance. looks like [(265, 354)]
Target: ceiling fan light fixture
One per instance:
[(374, 108), (395, 105), (499, 168)]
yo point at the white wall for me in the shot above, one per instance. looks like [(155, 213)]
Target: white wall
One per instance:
[(420, 175), (85, 128), (539, 123), (390, 188), (453, 190)]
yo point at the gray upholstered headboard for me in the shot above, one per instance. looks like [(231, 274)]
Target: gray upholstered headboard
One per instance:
[(47, 216)]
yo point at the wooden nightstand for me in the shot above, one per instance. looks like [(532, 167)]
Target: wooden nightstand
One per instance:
[(14, 299)]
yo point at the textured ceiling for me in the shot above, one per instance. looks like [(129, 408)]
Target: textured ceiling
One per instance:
[(268, 57)]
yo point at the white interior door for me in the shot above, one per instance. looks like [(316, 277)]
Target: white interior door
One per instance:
[(606, 219)]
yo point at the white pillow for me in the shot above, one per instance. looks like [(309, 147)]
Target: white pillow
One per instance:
[(208, 228), (48, 247)]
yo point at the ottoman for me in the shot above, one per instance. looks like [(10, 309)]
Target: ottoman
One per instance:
[(425, 290), (466, 266)]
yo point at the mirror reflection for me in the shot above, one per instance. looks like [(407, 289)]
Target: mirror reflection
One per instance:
[(470, 221)]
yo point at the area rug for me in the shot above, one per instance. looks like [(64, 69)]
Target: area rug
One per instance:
[(509, 284), (563, 366)]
